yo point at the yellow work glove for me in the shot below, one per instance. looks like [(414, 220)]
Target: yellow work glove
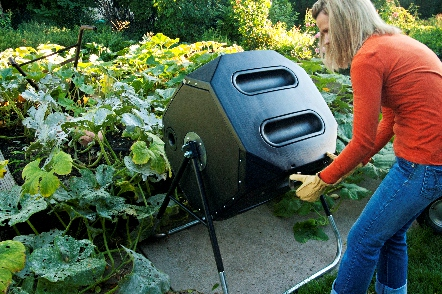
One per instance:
[(311, 188)]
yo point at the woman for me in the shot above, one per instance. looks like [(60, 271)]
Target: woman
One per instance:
[(401, 78)]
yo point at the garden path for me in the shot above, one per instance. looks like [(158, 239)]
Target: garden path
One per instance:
[(260, 254)]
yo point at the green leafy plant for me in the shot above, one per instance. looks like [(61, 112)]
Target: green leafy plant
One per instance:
[(12, 260), (258, 32), (3, 164), (95, 154)]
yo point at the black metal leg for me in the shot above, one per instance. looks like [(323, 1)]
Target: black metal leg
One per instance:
[(210, 226)]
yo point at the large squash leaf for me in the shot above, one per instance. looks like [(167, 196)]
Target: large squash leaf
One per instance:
[(12, 260), (145, 278), (18, 209), (67, 260)]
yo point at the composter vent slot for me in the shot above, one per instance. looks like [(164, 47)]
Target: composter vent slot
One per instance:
[(252, 82), (290, 128)]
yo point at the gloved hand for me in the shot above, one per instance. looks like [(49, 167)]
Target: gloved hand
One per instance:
[(311, 188)]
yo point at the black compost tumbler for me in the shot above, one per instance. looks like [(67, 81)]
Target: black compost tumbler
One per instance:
[(256, 117)]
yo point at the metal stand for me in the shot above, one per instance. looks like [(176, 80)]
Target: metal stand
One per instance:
[(338, 251), (191, 153)]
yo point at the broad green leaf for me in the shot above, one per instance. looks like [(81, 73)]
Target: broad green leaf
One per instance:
[(44, 239), (17, 208), (140, 153), (88, 89), (105, 175), (353, 191), (67, 260), (61, 163), (105, 204), (12, 260), (49, 184), (144, 278), (45, 182), (125, 186), (287, 206), (145, 170), (308, 230), (32, 169), (44, 286), (131, 120), (86, 181), (101, 116)]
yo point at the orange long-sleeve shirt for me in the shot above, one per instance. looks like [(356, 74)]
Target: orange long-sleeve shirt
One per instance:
[(402, 78)]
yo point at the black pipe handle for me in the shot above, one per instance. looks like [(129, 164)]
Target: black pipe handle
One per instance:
[(325, 206)]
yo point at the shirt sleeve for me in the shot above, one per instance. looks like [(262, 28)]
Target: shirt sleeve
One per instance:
[(384, 133), (368, 134)]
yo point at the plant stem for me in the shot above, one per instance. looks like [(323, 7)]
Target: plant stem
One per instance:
[(129, 239), (105, 242), (103, 151), (58, 216), (15, 108), (142, 194), (106, 142), (16, 230), (32, 227)]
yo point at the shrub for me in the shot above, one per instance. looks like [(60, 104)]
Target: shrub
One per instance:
[(188, 20), (282, 11), (398, 16), (430, 36), (258, 32)]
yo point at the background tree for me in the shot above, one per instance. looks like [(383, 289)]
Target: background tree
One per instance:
[(65, 13)]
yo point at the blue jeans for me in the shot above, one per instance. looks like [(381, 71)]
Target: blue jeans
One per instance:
[(377, 240)]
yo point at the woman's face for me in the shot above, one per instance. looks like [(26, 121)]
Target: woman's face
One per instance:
[(323, 24)]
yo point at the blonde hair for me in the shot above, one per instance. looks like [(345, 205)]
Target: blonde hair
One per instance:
[(351, 22)]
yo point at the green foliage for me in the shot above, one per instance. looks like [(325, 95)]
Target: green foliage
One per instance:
[(58, 263), (74, 173), (258, 32), (430, 36), (43, 180), (65, 13), (12, 260), (392, 13), (16, 208), (425, 8), (188, 19), (3, 164), (427, 31), (32, 34), (145, 278), (309, 230), (282, 11), (6, 19)]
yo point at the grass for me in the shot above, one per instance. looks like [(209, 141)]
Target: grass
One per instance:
[(424, 266)]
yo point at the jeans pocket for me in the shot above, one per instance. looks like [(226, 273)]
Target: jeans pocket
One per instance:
[(432, 185)]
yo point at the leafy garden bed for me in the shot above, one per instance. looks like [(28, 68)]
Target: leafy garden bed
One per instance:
[(85, 149)]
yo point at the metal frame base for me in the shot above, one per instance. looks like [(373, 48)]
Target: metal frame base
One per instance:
[(191, 154)]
